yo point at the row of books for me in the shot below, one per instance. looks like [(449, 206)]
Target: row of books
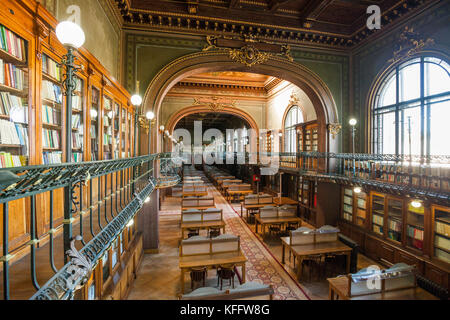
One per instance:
[(77, 157), (107, 139), (8, 160), (76, 121), (9, 101), (377, 219), (52, 157), (12, 133), (442, 228), (12, 76), (442, 255), (395, 225), (12, 44), (51, 138), (51, 68), (77, 103), (51, 91), (378, 229), (51, 115), (442, 242), (414, 233), (93, 132), (348, 217), (77, 140)]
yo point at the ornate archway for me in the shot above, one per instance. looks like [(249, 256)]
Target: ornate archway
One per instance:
[(213, 61), (177, 116)]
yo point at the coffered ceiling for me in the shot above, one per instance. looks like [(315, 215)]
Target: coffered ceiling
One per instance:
[(338, 23)]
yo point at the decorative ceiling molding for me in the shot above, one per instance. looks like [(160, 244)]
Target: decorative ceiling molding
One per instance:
[(310, 31), (215, 103), (247, 50), (408, 44), (217, 86)]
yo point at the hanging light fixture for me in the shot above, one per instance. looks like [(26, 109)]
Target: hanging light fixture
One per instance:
[(357, 189)]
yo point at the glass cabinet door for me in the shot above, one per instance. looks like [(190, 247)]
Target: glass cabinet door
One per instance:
[(116, 131), (348, 205), (77, 121), (94, 124), (124, 132), (361, 214), (107, 128), (377, 214), (52, 102), (415, 226), (105, 266), (395, 219), (442, 234), (14, 98)]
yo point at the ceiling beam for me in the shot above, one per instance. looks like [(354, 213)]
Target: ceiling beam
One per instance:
[(275, 4), (312, 10), (233, 3)]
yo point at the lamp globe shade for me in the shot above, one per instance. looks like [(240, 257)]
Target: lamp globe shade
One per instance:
[(136, 100), (150, 115), (353, 122), (70, 34)]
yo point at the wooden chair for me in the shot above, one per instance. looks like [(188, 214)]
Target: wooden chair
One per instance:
[(193, 232), (214, 232), (225, 272), (313, 262), (198, 275)]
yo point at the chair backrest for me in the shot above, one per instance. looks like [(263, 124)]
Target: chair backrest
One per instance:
[(287, 211), (327, 233), (245, 291), (212, 214), (268, 212), (189, 202), (225, 243), (195, 246)]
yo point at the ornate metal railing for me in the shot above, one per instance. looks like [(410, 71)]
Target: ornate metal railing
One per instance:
[(416, 176), (121, 186)]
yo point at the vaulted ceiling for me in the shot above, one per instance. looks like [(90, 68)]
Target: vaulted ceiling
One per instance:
[(338, 23)]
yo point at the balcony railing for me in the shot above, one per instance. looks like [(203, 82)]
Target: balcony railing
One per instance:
[(99, 200), (417, 176)]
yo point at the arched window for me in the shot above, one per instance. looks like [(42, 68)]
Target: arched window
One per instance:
[(293, 117), (411, 110)]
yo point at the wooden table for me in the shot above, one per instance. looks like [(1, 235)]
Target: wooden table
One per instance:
[(198, 207), (253, 207), (194, 193), (283, 201), (339, 290), (271, 221), (304, 250), (202, 225), (211, 261), (233, 194)]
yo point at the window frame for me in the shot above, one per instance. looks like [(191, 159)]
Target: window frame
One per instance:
[(292, 129), (424, 102)]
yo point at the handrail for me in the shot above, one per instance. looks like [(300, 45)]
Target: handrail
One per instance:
[(122, 187)]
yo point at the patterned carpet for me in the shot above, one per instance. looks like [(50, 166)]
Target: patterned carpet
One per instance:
[(261, 265)]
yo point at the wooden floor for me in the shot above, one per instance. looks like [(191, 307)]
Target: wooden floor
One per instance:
[(159, 275)]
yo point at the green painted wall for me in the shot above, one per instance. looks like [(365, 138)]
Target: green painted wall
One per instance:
[(102, 32), (371, 59)]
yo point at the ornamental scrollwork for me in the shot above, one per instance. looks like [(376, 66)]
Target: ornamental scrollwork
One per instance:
[(409, 43)]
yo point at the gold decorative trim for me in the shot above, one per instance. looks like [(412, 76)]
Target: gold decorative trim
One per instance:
[(334, 129), (215, 103), (248, 55), (409, 43)]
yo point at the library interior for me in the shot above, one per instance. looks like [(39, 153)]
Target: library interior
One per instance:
[(224, 150)]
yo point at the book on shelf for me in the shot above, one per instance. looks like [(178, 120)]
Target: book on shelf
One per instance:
[(93, 132), (12, 44), (51, 115), (50, 67), (8, 160), (13, 133), (442, 228), (52, 157), (377, 219), (414, 233), (76, 120), (77, 157), (51, 138), (12, 76), (395, 225), (51, 91), (347, 216), (378, 229), (77, 140), (9, 102), (442, 255), (442, 242), (77, 103)]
